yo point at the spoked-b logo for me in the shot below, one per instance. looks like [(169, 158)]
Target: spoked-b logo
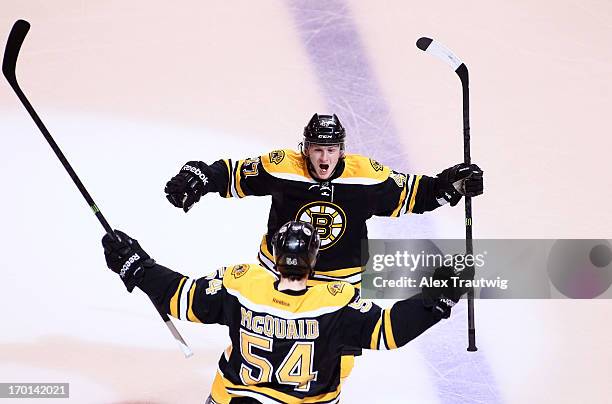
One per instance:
[(327, 218)]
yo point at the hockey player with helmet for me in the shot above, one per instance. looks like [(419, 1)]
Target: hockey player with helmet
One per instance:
[(334, 191), (286, 337)]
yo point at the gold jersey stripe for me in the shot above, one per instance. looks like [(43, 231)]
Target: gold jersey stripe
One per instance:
[(217, 390), (264, 248), (237, 179), (375, 335), (414, 193), (228, 165), (190, 314), (222, 383), (390, 340), (175, 299), (402, 198)]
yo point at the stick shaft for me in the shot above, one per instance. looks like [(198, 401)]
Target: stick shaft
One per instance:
[(462, 72)]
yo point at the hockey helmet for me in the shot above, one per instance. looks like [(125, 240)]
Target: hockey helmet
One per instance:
[(296, 248), (324, 130)]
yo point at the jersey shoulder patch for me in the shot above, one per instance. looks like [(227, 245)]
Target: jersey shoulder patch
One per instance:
[(276, 156), (333, 293), (238, 271), (335, 287), (286, 164), (363, 171)]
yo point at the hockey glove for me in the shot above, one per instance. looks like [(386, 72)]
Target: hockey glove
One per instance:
[(443, 292), (461, 179), (126, 258), (188, 186)]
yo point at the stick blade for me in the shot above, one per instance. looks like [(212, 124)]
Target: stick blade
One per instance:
[(13, 46), (440, 51), (423, 43)]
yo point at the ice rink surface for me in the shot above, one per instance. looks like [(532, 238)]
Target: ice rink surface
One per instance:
[(131, 90)]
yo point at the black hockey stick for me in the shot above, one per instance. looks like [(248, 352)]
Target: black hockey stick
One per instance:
[(435, 48), (11, 52)]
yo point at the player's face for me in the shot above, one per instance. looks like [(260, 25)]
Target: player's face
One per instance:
[(324, 159)]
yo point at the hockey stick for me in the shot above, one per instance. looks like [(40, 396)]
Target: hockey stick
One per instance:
[(435, 48), (11, 52)]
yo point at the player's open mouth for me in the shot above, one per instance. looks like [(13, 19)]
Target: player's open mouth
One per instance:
[(324, 167)]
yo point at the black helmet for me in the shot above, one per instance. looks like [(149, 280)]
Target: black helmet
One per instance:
[(324, 129), (296, 248)]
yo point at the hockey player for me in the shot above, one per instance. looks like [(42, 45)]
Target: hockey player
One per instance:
[(321, 184), (286, 338)]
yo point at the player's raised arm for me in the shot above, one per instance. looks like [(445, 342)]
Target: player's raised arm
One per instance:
[(229, 178), (406, 193), (366, 325), (199, 300)]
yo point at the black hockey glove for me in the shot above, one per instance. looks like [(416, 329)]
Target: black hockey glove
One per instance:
[(461, 179), (443, 292), (188, 186), (126, 258)]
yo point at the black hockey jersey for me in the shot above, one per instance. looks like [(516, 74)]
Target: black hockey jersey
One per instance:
[(285, 345), (338, 208)]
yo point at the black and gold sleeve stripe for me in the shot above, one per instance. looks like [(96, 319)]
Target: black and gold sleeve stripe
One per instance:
[(402, 323), (234, 188), (382, 336), (181, 303), (407, 198)]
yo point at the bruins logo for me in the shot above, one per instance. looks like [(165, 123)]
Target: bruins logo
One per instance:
[(328, 218), (239, 270), (376, 165), (400, 179), (277, 156), (335, 287)]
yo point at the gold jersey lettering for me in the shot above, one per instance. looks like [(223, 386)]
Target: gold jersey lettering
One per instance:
[(245, 318), (279, 328)]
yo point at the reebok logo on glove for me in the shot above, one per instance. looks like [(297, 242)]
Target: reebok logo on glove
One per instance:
[(128, 264), (197, 172), (447, 302)]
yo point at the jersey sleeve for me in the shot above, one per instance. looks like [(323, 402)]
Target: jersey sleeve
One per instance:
[(401, 194), (198, 300), (240, 178), (366, 325)]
